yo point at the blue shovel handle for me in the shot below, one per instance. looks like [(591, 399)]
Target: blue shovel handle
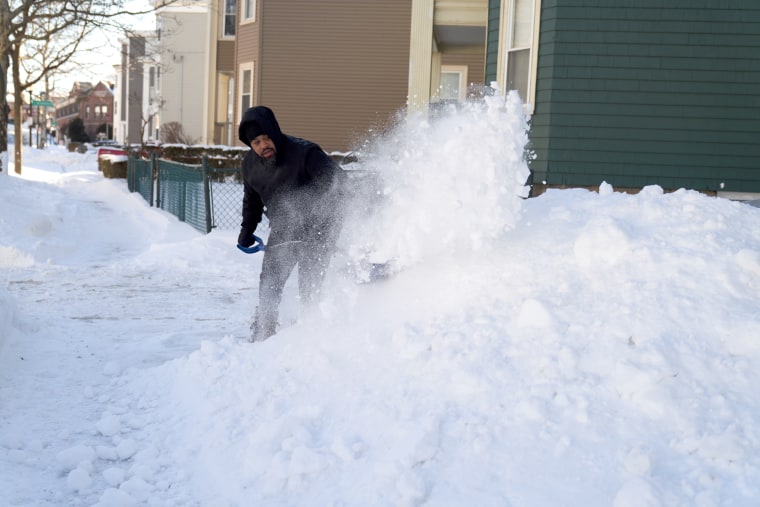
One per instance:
[(258, 246)]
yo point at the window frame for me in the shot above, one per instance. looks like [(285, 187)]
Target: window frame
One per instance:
[(507, 32), (462, 70), (245, 16), (223, 19), (242, 68)]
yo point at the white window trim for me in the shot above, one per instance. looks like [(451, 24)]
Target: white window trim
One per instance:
[(223, 19), (505, 31), (462, 71), (242, 68), (252, 18)]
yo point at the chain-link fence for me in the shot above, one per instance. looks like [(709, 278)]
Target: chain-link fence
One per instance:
[(226, 189), (204, 197)]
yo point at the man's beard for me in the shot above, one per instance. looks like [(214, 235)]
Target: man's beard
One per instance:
[(270, 162)]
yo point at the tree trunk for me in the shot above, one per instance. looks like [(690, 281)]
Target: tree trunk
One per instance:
[(3, 113), (4, 29), (18, 100)]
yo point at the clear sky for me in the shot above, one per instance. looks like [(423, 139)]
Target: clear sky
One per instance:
[(101, 52)]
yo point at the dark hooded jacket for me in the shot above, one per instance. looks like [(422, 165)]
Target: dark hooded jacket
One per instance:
[(300, 193)]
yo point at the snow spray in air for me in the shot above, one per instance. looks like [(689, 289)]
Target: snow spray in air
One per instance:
[(440, 183)]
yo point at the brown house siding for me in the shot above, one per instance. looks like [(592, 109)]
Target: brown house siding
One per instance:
[(345, 71), (135, 88), (248, 43), (225, 56), (472, 56)]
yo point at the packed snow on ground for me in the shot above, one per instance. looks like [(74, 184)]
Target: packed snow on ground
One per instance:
[(578, 348)]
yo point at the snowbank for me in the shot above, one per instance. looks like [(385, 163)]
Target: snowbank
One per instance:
[(580, 348)]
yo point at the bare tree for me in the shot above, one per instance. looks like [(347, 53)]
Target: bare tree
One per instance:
[(5, 23), (39, 39), (173, 133), (146, 119)]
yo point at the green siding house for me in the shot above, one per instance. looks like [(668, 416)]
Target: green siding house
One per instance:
[(639, 92)]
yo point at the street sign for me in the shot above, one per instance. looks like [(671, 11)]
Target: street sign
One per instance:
[(43, 103)]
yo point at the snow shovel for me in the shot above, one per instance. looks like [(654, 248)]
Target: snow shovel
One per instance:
[(258, 246)]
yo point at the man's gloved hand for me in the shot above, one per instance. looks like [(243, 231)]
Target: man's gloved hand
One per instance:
[(246, 237)]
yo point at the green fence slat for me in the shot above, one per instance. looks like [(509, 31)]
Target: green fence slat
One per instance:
[(200, 195), (140, 178)]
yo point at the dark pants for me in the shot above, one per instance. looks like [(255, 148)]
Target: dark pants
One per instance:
[(312, 258)]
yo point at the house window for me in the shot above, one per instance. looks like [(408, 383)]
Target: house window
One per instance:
[(453, 82), (249, 10), (521, 48), (87, 112), (230, 18), (246, 87)]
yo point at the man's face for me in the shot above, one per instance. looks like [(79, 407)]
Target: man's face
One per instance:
[(264, 147)]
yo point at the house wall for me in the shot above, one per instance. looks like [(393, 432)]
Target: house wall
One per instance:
[(225, 56), (248, 44), (133, 91), (492, 40), (471, 56), (247, 52), (346, 72), (102, 97), (222, 128), (184, 73), (648, 93)]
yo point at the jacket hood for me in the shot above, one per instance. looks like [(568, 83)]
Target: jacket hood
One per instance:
[(265, 118)]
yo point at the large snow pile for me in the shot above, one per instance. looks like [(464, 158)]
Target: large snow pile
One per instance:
[(584, 349), (450, 183)]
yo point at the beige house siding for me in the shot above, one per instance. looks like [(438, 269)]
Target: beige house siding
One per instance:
[(458, 30), (424, 60), (223, 128), (184, 72), (461, 12), (331, 70)]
